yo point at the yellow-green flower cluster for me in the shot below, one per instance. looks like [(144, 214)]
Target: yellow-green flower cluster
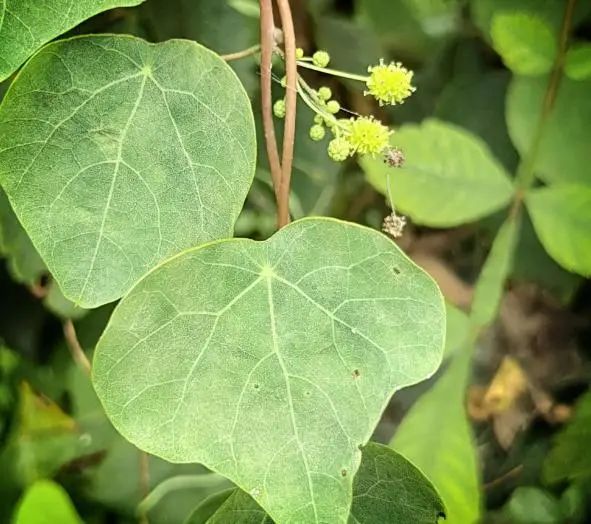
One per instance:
[(363, 135), (389, 83)]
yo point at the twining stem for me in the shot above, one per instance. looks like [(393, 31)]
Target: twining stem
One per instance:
[(253, 50), (291, 69), (267, 46), (75, 348)]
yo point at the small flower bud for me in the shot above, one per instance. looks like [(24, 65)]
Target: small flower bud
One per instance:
[(284, 82), (319, 119), (333, 107), (325, 94), (299, 53), (317, 132), (321, 58), (279, 109), (339, 149)]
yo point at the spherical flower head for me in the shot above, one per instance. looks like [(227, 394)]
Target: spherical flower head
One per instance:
[(368, 136), (299, 53), (339, 149), (325, 94), (333, 107), (390, 84), (317, 132), (279, 108), (321, 58)]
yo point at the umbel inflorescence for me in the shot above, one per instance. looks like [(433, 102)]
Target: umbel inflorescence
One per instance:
[(389, 84)]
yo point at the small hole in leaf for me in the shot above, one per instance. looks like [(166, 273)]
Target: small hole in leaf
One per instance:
[(256, 386), (356, 373), (396, 271), (343, 473), (308, 393)]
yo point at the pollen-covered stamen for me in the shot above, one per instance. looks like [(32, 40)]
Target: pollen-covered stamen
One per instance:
[(390, 83), (367, 135)]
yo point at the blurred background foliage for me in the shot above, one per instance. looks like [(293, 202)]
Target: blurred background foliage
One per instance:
[(503, 430)]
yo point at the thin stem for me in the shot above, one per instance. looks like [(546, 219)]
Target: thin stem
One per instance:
[(267, 45), (206, 480), (526, 170), (253, 50), (333, 72), (144, 484), (291, 68), (75, 348)]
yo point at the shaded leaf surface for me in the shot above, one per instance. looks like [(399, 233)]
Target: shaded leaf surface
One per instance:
[(387, 489), (449, 177), (116, 153), (271, 362), (561, 215), (578, 61), (564, 154)]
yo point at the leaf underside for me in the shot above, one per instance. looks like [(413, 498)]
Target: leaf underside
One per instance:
[(271, 362), (116, 153)]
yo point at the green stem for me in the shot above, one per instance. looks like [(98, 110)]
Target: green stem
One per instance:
[(207, 480), (333, 72)]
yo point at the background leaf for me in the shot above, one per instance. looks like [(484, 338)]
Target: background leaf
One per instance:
[(578, 61), (569, 458), (435, 435), (449, 177), (141, 142), (388, 489), (46, 502), (25, 27), (561, 215), (303, 348), (564, 154), (524, 41)]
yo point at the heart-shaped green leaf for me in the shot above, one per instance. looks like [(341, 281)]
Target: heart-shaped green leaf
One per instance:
[(26, 25), (117, 153), (272, 362), (387, 489)]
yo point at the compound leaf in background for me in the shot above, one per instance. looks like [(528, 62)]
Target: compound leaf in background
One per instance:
[(436, 436), (46, 502), (116, 153), (525, 42), (564, 154), (561, 215), (387, 489), (449, 178), (578, 61), (25, 26), (569, 458), (272, 362)]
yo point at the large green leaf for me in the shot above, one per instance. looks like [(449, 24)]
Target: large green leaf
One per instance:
[(564, 154), (525, 42), (561, 215), (271, 362), (436, 436), (116, 153), (46, 502), (569, 458), (387, 489), (26, 25), (449, 177)]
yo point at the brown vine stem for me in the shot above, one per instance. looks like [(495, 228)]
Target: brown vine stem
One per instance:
[(75, 348), (242, 54), (267, 46), (291, 68), (526, 171)]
